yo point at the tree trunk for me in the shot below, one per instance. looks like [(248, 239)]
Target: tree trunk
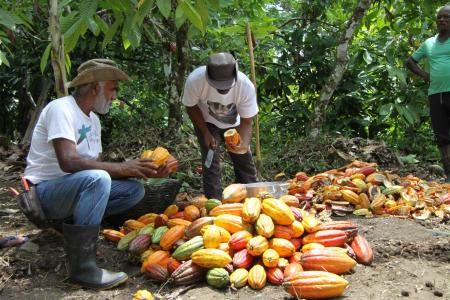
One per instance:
[(58, 60), (341, 66), (42, 101)]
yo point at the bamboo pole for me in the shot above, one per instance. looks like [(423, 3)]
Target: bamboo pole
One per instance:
[(253, 78)]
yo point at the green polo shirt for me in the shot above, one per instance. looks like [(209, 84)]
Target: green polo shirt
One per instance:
[(438, 55)]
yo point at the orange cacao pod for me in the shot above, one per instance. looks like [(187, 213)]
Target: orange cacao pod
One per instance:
[(131, 225), (171, 236), (191, 213), (172, 265), (147, 218), (362, 249), (328, 238), (227, 209), (112, 235), (275, 276), (157, 272), (158, 257), (171, 210), (292, 269), (239, 240), (333, 261), (315, 285), (270, 258)]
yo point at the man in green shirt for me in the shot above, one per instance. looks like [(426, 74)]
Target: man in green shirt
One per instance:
[(437, 50)]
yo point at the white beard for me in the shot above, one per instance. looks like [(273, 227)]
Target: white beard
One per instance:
[(101, 104)]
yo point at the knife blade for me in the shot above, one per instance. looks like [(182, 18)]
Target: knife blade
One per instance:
[(209, 158)]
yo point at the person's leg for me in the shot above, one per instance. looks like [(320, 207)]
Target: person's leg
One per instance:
[(124, 195), (440, 113), (211, 176), (83, 195), (244, 168)]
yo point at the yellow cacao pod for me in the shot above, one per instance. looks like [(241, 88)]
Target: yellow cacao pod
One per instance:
[(251, 209), (278, 211), (257, 277)]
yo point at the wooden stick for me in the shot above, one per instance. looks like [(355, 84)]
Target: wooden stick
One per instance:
[(253, 78)]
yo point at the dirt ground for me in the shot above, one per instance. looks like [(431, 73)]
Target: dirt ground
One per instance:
[(412, 261)]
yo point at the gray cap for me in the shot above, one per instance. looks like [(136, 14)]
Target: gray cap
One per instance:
[(221, 71)]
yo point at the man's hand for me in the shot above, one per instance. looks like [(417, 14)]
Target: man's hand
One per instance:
[(139, 168), (210, 141), (238, 149), (426, 77), (170, 166)]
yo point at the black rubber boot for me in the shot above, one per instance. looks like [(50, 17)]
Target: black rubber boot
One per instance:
[(445, 156), (80, 242)]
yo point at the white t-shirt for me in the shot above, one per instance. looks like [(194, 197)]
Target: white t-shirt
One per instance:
[(61, 118), (224, 111)]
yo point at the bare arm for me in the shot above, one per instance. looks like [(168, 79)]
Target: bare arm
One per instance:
[(416, 69), (70, 161), (196, 116)]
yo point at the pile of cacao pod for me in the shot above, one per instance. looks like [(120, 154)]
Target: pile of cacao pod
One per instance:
[(245, 240), (361, 189)]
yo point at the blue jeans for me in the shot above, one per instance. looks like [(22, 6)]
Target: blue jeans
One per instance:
[(87, 196)]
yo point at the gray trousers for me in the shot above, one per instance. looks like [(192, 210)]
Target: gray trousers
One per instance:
[(244, 168)]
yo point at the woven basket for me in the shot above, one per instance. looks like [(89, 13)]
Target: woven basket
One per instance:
[(159, 193)]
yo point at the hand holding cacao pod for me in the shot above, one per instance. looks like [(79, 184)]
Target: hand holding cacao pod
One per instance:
[(168, 167), (232, 137)]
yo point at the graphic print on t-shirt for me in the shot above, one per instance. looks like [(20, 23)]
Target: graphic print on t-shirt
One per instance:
[(83, 134), (223, 113)]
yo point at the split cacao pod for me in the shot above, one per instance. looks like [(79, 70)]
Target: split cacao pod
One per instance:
[(232, 137)]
